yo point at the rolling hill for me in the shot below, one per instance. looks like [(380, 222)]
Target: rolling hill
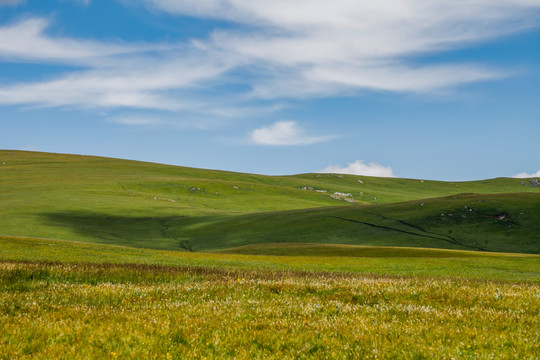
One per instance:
[(148, 205)]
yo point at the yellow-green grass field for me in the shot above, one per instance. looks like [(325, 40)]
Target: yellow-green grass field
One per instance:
[(72, 300)]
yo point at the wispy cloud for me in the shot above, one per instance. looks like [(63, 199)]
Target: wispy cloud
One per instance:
[(284, 133), (361, 168), (27, 40), (324, 48), (294, 49), (116, 75), (121, 85), (525, 175), (174, 121)]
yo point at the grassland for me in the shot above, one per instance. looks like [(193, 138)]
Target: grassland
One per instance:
[(90, 265), (75, 300), (374, 261), (147, 205)]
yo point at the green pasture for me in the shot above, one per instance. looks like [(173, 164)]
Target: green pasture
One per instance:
[(147, 205)]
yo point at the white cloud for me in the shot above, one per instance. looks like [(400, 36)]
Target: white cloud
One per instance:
[(174, 121), (525, 175), (309, 48), (294, 49), (138, 120), (283, 133), (123, 85), (117, 75), (26, 40), (360, 168)]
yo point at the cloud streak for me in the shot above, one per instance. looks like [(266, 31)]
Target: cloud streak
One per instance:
[(361, 168), (284, 133), (27, 40)]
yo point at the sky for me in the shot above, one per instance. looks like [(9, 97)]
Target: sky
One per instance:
[(426, 89)]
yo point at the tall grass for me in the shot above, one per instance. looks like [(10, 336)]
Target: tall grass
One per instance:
[(81, 311)]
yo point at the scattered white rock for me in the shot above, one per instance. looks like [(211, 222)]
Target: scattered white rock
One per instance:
[(236, 187), (165, 199), (360, 181)]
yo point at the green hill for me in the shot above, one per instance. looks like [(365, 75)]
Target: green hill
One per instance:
[(139, 204), (502, 222)]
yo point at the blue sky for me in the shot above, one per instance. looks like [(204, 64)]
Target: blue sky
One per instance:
[(433, 89)]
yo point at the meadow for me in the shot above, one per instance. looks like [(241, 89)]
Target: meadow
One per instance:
[(115, 259), (173, 305)]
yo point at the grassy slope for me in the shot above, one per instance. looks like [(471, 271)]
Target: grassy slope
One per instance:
[(440, 223), (385, 261), (174, 305), (330, 250), (151, 205)]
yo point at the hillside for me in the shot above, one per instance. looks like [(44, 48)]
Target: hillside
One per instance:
[(139, 204), (487, 222)]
